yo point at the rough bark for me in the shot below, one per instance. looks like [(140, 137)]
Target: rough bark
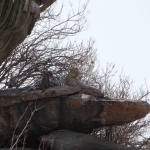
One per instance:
[(18, 37)]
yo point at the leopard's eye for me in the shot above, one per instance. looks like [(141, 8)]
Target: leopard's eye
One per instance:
[(73, 75)]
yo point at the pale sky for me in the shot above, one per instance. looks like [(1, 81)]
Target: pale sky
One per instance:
[(121, 29)]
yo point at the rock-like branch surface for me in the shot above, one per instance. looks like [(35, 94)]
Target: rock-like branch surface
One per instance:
[(66, 108), (63, 108)]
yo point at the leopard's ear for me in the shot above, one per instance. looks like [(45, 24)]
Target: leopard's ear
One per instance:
[(50, 74), (73, 75), (74, 70)]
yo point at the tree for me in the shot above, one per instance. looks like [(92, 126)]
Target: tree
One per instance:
[(44, 49), (48, 48)]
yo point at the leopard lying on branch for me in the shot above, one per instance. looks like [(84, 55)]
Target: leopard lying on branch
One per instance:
[(72, 79)]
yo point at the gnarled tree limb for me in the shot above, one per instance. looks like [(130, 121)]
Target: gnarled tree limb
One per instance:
[(14, 31)]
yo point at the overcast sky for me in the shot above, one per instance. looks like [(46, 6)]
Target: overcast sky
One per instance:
[(121, 29)]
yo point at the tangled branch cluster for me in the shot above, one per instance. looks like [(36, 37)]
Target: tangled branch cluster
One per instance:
[(47, 49), (43, 49)]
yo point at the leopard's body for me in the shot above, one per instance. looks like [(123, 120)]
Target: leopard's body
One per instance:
[(72, 79), (45, 82), (37, 85)]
